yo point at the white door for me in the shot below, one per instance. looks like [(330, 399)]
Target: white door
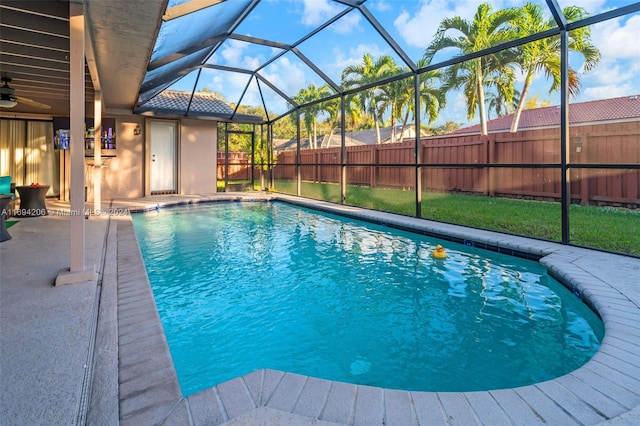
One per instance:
[(162, 172)]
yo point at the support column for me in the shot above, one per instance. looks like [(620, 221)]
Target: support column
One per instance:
[(97, 152), (298, 176), (417, 149), (343, 150), (564, 134), (226, 157), (77, 272)]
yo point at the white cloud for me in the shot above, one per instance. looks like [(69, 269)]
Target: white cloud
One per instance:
[(611, 80), (317, 12), (619, 67), (381, 6), (417, 29), (232, 53), (228, 84), (286, 76), (608, 91), (235, 53), (347, 24), (618, 39), (354, 55), (591, 6)]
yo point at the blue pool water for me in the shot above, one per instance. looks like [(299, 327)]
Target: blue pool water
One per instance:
[(245, 286)]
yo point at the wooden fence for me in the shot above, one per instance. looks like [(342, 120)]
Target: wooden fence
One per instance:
[(449, 164), (239, 166)]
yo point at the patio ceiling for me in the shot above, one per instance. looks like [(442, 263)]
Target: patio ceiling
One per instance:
[(34, 51)]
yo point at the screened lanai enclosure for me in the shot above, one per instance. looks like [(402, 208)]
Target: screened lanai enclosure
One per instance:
[(520, 117)]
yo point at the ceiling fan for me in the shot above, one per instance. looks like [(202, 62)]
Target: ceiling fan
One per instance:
[(8, 99)]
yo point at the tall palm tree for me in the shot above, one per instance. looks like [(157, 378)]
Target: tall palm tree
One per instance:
[(433, 98), (502, 107), (356, 117), (401, 94), (544, 55), (310, 113), (332, 109), (369, 71), (394, 96), (487, 29)]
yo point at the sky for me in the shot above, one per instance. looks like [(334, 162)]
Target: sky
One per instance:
[(412, 23)]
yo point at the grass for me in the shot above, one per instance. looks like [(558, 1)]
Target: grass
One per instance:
[(604, 228)]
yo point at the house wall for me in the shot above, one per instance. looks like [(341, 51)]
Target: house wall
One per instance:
[(123, 175), (198, 144)]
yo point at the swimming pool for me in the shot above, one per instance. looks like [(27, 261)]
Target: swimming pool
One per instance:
[(246, 286)]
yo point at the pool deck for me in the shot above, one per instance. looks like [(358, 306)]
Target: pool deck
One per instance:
[(95, 352)]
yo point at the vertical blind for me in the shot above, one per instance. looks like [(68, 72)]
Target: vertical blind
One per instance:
[(27, 154)]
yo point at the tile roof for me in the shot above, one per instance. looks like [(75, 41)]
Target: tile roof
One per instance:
[(623, 108), (174, 102), (358, 137), (289, 144)]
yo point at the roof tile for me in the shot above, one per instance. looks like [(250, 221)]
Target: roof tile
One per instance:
[(623, 108), (178, 101)]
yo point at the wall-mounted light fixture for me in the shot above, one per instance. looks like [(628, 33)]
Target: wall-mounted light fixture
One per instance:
[(578, 144), (137, 130)]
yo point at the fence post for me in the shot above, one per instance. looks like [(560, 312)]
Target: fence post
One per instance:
[(584, 173), (374, 169), (584, 187), (491, 147)]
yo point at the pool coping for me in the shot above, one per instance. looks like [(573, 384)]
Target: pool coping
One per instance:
[(605, 390)]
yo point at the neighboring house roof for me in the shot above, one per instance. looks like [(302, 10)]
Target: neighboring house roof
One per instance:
[(359, 137), (286, 144), (368, 137), (623, 108), (175, 103)]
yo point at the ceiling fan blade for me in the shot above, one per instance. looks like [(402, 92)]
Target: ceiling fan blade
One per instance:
[(32, 103)]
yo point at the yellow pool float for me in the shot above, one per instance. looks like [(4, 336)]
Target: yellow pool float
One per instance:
[(439, 253)]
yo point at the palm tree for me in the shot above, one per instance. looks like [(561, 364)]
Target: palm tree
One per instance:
[(332, 108), (401, 95), (356, 117), (353, 110), (310, 113), (433, 98), (369, 71), (395, 96), (487, 29), (496, 102), (544, 55)]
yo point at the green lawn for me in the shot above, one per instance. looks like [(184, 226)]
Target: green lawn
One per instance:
[(603, 228)]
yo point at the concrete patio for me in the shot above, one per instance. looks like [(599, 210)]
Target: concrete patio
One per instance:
[(95, 353)]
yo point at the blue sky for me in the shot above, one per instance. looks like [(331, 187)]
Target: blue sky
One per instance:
[(412, 23)]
